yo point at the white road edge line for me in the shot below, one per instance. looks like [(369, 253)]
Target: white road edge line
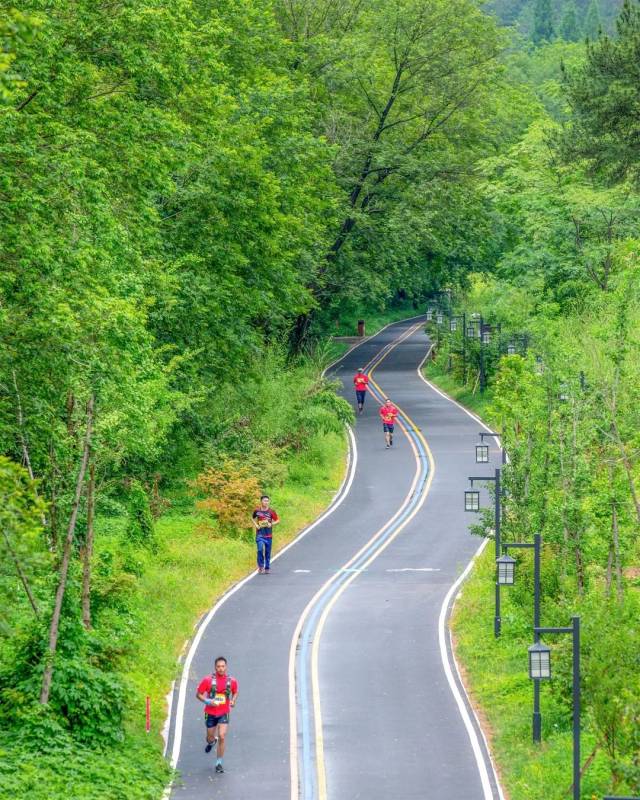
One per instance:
[(462, 706), (444, 653)]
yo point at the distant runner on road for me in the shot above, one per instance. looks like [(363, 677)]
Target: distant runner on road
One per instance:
[(264, 518), (219, 693), (388, 413), (361, 384)]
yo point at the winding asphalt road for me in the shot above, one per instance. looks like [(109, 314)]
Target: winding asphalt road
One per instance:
[(348, 631)]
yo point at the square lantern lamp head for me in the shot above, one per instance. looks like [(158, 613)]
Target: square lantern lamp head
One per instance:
[(539, 365), (453, 326), (486, 337), (563, 396), (429, 315), (471, 500), (482, 454), (511, 349), (539, 661), (439, 318), (471, 331), (506, 570)]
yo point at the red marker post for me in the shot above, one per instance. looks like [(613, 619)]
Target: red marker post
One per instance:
[(148, 715)]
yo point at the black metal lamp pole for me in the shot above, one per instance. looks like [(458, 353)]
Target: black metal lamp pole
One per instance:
[(483, 377), (536, 546), (497, 622), (574, 630), (464, 348)]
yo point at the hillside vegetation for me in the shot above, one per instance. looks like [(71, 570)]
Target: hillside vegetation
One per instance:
[(193, 196)]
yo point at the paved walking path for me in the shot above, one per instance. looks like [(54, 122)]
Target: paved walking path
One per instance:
[(353, 612)]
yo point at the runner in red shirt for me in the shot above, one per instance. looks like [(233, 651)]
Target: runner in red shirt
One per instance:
[(361, 384), (264, 518), (219, 693), (388, 413)]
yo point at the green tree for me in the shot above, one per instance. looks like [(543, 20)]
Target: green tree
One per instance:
[(604, 96), (543, 30), (569, 25), (593, 20)]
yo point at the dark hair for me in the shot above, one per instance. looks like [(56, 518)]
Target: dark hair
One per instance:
[(219, 658), (265, 497)]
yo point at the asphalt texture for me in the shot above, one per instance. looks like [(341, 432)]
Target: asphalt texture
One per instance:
[(390, 724)]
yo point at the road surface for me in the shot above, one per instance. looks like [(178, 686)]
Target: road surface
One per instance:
[(347, 685)]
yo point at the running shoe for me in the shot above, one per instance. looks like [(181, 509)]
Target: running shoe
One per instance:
[(219, 768), (210, 746)]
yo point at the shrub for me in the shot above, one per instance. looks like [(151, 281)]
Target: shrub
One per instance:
[(230, 492)]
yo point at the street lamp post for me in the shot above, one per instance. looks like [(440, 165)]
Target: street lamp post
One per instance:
[(475, 506), (483, 377), (506, 577), (540, 669), (495, 435)]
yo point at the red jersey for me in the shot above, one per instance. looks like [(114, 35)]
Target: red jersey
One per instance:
[(388, 414), (361, 382), (265, 518), (224, 687)]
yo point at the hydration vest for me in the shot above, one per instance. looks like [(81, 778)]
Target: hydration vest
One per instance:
[(214, 686)]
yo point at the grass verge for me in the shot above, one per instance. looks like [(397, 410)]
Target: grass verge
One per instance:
[(473, 400), (176, 586), (496, 677)]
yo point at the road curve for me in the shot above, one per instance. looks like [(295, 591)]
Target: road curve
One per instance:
[(355, 612)]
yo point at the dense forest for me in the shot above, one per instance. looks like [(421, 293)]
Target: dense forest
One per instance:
[(192, 196), (567, 19)]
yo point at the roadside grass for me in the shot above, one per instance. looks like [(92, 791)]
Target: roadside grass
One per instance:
[(496, 673), (477, 402), (176, 586)]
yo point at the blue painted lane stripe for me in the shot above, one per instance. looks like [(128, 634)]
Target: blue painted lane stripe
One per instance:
[(303, 660)]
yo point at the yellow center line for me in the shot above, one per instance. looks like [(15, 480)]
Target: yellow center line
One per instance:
[(315, 683)]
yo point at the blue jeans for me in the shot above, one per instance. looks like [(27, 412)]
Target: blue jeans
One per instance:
[(264, 551)]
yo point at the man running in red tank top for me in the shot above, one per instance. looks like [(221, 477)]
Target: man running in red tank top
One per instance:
[(388, 414), (361, 384)]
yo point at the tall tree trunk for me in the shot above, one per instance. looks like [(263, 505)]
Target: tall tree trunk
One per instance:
[(66, 556), (300, 331), (87, 550), (20, 572)]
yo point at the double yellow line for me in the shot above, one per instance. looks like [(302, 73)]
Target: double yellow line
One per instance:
[(315, 683)]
